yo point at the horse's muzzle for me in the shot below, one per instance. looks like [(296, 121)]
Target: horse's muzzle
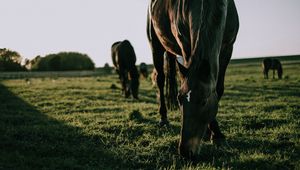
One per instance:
[(191, 149)]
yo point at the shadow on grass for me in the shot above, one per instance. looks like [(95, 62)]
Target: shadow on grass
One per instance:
[(148, 96), (255, 154), (31, 140), (265, 147), (286, 90), (138, 117), (256, 123)]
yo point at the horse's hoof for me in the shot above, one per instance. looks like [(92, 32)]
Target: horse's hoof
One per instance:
[(218, 139), (163, 123), (218, 142), (207, 136)]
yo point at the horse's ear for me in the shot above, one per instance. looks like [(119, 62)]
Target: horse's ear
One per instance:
[(182, 69)]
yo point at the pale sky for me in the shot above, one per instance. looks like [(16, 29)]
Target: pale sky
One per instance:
[(40, 27)]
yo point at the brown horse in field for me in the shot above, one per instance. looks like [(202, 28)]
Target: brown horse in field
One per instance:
[(123, 57), (203, 33), (144, 70), (273, 64)]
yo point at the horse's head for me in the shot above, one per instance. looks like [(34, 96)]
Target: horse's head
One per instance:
[(198, 103)]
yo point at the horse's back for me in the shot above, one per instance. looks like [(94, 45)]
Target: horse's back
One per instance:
[(180, 28), (123, 54), (276, 64), (271, 63), (266, 63)]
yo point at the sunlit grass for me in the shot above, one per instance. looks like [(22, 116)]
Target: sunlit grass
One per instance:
[(83, 123)]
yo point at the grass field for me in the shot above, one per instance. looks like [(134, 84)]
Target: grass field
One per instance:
[(81, 123)]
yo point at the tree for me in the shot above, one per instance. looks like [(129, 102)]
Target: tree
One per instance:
[(107, 68), (10, 60), (63, 61)]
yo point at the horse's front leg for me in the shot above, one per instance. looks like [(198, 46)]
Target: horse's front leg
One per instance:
[(216, 136)]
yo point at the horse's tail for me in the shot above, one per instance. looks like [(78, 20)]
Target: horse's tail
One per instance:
[(279, 70), (134, 76), (171, 82)]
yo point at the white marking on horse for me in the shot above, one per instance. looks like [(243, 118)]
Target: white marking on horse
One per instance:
[(188, 96), (180, 59)]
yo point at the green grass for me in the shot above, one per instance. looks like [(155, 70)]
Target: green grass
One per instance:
[(81, 123)]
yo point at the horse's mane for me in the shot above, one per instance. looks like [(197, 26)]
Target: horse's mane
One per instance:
[(202, 63)]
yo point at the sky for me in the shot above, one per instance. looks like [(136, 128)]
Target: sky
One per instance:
[(41, 27)]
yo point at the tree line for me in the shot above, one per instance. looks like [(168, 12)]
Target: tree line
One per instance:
[(62, 61)]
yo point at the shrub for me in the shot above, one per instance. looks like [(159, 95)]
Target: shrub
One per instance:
[(64, 61)]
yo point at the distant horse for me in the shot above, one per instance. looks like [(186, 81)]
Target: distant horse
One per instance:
[(123, 57), (144, 70), (273, 64), (203, 33)]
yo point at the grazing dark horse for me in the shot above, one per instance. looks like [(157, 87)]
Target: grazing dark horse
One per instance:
[(144, 70), (273, 64), (203, 33), (123, 57)]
